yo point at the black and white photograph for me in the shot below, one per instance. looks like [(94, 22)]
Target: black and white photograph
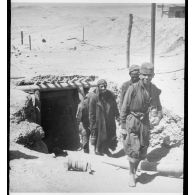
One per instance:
[(97, 97)]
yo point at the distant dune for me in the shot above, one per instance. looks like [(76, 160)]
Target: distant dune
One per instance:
[(104, 24)]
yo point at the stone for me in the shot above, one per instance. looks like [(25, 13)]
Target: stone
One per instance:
[(29, 135), (21, 106)]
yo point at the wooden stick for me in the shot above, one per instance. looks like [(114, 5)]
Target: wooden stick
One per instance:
[(30, 42), (83, 34), (17, 77), (38, 107), (153, 21), (22, 37), (162, 10), (128, 38)]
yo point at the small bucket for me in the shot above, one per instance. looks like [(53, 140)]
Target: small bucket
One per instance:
[(77, 165)]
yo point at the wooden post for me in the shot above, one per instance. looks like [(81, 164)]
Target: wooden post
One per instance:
[(30, 42), (22, 37), (83, 34), (128, 38), (162, 10), (38, 107), (153, 17)]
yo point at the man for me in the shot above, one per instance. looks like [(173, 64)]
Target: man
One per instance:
[(139, 99), (102, 114), (82, 117), (134, 75)]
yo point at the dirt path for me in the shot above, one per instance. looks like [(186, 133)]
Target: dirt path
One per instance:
[(36, 172)]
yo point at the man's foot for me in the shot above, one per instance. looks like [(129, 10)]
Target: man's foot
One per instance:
[(132, 180), (86, 151), (79, 149), (108, 153), (99, 153), (86, 148), (137, 174)]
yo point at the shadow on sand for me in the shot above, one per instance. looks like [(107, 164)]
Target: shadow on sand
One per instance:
[(157, 154), (118, 154), (15, 154), (153, 156), (145, 178)]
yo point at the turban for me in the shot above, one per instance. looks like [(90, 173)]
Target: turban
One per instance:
[(147, 68), (101, 81), (134, 68)]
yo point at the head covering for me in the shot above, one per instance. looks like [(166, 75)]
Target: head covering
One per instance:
[(147, 68), (134, 68), (101, 81)]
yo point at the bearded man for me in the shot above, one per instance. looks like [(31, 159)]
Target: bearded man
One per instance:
[(103, 112)]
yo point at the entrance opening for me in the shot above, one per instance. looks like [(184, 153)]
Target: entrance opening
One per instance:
[(58, 119)]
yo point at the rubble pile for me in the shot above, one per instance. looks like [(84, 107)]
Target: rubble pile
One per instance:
[(115, 88), (169, 132), (26, 133), (29, 135), (23, 130), (53, 78), (21, 106)]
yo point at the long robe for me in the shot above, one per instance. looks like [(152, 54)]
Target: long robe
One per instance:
[(102, 114), (135, 116)]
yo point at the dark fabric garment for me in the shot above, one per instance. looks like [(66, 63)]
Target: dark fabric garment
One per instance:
[(137, 136), (138, 100), (83, 113), (102, 113), (82, 117), (124, 88), (85, 139), (135, 117), (131, 145)]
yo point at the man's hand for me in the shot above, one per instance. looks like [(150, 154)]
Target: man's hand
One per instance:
[(155, 121), (118, 123), (122, 134)]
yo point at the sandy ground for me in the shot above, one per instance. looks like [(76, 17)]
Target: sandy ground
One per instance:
[(36, 172), (103, 53)]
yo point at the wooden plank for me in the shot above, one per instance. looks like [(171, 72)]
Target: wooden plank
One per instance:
[(56, 86)]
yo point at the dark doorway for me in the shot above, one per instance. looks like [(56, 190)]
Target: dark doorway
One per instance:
[(178, 14), (58, 119)]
